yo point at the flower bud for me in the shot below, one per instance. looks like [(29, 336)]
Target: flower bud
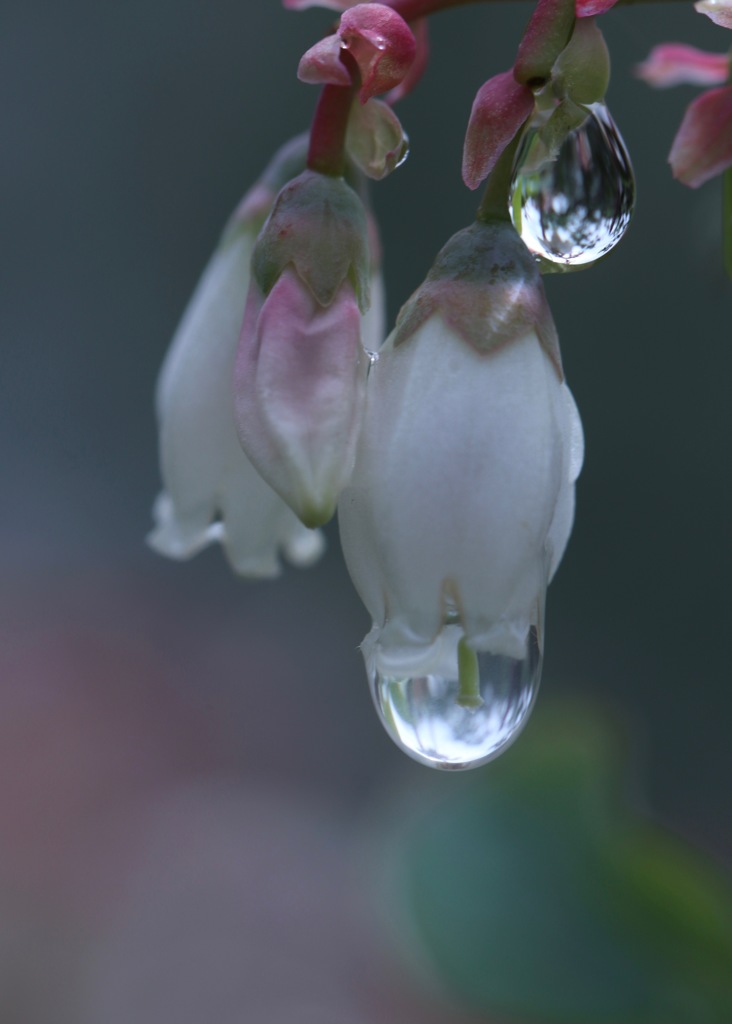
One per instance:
[(211, 490), (301, 367), (461, 501)]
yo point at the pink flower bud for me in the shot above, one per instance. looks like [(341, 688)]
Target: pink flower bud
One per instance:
[(322, 64), (381, 43), (500, 108), (678, 64), (300, 381), (377, 39), (703, 144), (375, 139)]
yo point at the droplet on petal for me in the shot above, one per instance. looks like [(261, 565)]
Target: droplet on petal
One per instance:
[(465, 718), (573, 208)]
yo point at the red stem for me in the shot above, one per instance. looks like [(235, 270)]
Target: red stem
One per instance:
[(328, 130)]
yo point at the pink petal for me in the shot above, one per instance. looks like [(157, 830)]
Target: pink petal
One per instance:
[(678, 64), (381, 43), (322, 64), (703, 144), (300, 379), (720, 11), (419, 64), (589, 8), (500, 108)]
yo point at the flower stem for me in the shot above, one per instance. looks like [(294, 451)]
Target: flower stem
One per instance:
[(328, 131), (468, 677), (495, 202)]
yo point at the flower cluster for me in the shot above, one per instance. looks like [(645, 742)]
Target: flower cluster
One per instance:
[(451, 450)]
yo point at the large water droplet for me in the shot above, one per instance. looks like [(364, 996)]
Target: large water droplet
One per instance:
[(573, 209), (444, 723)]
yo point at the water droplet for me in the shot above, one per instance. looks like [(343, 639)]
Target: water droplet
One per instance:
[(373, 357), (575, 208), (444, 723), (402, 153)]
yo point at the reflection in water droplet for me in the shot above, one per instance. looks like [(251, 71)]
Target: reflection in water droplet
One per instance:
[(575, 208), (403, 153), (373, 357), (443, 723)]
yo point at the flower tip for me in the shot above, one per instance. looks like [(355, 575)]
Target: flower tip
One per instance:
[(720, 11), (313, 513), (499, 110)]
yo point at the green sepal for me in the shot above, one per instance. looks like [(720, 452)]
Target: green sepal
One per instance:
[(318, 225), (546, 35), (567, 117), (486, 287), (582, 69), (289, 160)]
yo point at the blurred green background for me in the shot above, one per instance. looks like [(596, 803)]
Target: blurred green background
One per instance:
[(129, 132)]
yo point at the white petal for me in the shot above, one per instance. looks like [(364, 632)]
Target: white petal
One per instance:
[(373, 324), (459, 471), (212, 492)]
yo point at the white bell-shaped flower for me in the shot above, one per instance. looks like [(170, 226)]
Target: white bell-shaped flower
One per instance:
[(461, 501), (211, 490)]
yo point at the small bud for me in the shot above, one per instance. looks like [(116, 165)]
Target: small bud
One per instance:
[(582, 69), (381, 43), (375, 139), (322, 64), (301, 368), (378, 40), (299, 388)]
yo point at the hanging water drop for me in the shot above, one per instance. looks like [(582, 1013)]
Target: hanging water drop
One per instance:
[(466, 719), (575, 208)]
